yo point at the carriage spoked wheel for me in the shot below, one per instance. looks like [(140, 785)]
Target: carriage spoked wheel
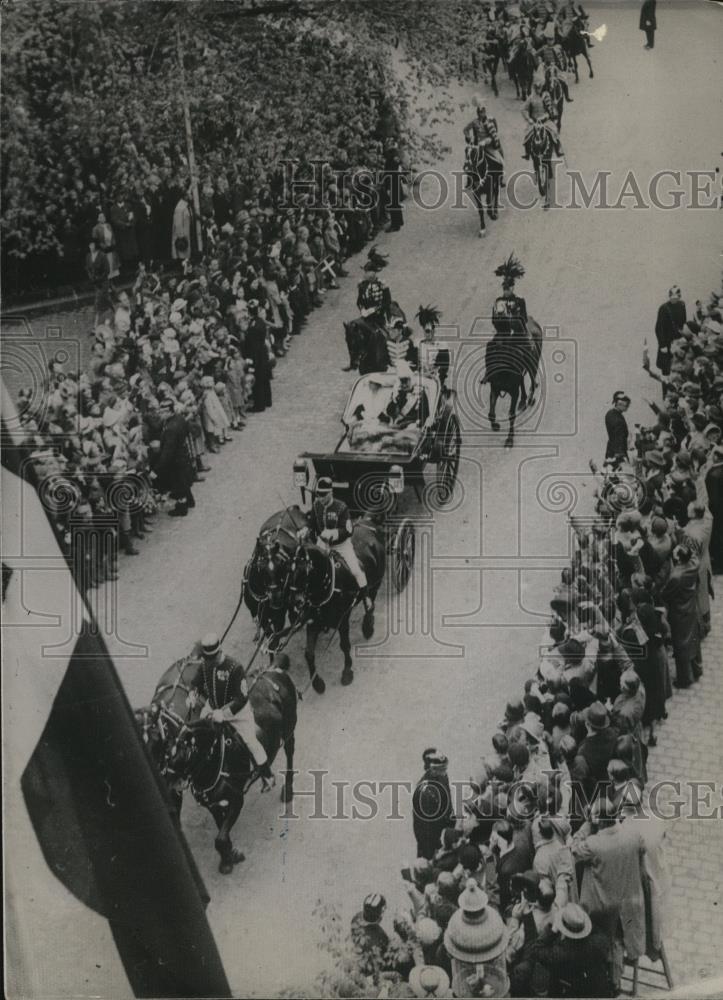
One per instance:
[(448, 464), (404, 547)]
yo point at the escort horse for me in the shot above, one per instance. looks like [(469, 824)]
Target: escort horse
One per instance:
[(209, 758), (485, 176)]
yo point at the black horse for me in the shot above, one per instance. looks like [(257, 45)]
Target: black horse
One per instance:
[(509, 359), (292, 584), (521, 66), (492, 52), (542, 148), (553, 86), (366, 342), (210, 758), (574, 44), (485, 174)]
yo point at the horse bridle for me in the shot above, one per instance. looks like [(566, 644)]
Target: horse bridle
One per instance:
[(309, 566)]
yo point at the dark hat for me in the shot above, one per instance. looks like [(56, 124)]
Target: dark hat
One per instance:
[(324, 486), (373, 907), (470, 857), (437, 759), (596, 716), (619, 395)]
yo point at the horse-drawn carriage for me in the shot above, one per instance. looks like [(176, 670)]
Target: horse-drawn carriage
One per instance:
[(393, 428)]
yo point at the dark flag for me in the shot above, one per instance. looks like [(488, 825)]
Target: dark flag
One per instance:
[(79, 785)]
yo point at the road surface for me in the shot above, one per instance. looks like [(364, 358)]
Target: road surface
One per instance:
[(463, 639)]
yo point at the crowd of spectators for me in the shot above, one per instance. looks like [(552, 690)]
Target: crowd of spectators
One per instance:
[(96, 150), (549, 870), (176, 365)]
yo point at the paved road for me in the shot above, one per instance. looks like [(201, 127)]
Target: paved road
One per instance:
[(462, 641)]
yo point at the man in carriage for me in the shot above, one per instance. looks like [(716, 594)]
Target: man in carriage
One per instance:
[(409, 405), (329, 524)]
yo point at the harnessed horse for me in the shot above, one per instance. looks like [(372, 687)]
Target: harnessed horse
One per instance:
[(509, 358), (485, 174), (209, 758), (304, 585)]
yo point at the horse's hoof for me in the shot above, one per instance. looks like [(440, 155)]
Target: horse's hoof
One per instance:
[(482, 233), (237, 856), (368, 626), (509, 442), (318, 684), (225, 867), (592, 75), (494, 425), (347, 676), (287, 793)]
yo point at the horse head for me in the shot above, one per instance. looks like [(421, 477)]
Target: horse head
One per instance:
[(540, 138), (312, 576), (271, 571), (192, 744)]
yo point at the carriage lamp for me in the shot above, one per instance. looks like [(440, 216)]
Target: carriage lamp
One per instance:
[(396, 479), (301, 472)]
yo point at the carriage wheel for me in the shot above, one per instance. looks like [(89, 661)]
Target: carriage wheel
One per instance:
[(448, 464), (403, 551)]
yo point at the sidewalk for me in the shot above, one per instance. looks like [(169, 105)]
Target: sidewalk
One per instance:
[(689, 749)]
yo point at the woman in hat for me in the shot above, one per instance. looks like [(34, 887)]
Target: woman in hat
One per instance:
[(215, 421)]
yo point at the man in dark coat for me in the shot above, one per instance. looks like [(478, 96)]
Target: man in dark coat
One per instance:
[(617, 427), (392, 188), (589, 769), (574, 962), (669, 326), (680, 596), (714, 489), (175, 471), (98, 270), (648, 23), (257, 352), (432, 804)]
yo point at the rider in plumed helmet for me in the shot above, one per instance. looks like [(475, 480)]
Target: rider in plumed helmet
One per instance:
[(509, 306), (373, 296)]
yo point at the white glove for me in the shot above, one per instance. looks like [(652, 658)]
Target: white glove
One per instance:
[(217, 715), (328, 534)]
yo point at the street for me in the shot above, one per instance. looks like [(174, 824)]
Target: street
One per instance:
[(461, 640)]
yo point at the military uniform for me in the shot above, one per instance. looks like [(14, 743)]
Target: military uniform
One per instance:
[(373, 297), (221, 681), (335, 519), (432, 812), (534, 110)]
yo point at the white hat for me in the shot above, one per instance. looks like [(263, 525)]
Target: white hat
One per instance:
[(179, 305)]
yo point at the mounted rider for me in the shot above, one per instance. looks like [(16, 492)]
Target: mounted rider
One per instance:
[(509, 313), (220, 682), (374, 299), (330, 525), (483, 130), (534, 110), (571, 13)]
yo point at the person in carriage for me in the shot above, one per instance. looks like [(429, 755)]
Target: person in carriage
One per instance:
[(537, 109), (330, 526), (409, 405)]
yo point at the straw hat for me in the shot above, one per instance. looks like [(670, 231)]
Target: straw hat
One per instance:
[(476, 932), (429, 981)]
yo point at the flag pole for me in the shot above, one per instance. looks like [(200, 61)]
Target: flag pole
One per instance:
[(189, 143)]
